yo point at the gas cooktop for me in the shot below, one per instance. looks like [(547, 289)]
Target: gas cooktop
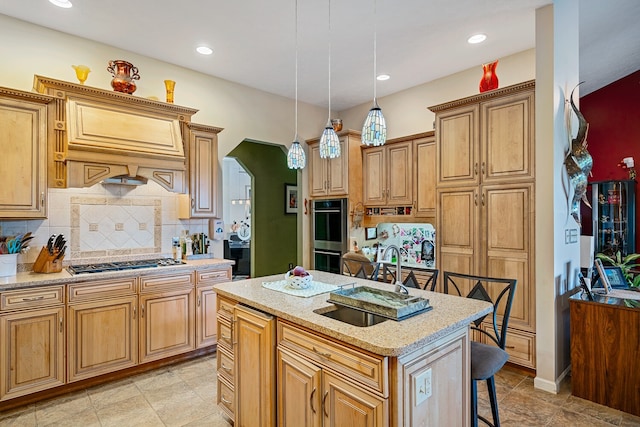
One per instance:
[(122, 265)]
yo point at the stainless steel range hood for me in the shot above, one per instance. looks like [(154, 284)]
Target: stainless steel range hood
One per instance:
[(99, 135)]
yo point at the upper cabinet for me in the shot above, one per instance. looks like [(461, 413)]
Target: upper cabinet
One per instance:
[(487, 138), (23, 142), (387, 174), (339, 177), (424, 169), (201, 142)]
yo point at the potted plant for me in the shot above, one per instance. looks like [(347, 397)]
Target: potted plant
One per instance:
[(628, 265)]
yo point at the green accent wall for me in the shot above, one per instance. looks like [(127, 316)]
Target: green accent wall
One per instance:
[(274, 237)]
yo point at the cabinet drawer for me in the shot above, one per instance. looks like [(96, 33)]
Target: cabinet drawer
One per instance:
[(225, 364), (207, 277), (520, 345), (225, 335), (165, 282), (102, 289), (225, 308), (32, 298), (368, 369), (226, 397)]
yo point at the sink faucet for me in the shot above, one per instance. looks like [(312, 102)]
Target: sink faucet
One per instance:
[(400, 288)]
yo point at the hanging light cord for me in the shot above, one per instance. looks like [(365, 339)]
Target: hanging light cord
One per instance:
[(375, 50), (329, 60), (296, 91)]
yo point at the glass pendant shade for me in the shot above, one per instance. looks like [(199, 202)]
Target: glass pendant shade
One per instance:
[(374, 130), (296, 159), (329, 143)]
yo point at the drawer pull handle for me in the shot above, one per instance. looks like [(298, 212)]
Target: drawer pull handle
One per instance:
[(198, 301), (225, 401), (324, 406), (226, 338), (141, 311), (318, 352), (511, 347), (33, 298), (311, 400), (61, 320), (225, 368), (134, 311)]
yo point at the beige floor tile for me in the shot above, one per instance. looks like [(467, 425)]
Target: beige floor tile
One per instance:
[(19, 418), (528, 406), (568, 418), (85, 418), (61, 408), (599, 412), (110, 393), (131, 412), (629, 420), (12, 413)]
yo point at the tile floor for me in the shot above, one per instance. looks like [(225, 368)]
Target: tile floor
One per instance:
[(184, 395)]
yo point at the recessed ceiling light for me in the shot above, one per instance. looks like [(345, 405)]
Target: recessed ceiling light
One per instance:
[(476, 38), (383, 77), (61, 3), (204, 50)]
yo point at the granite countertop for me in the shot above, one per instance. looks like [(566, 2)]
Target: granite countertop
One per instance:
[(31, 279), (389, 338)]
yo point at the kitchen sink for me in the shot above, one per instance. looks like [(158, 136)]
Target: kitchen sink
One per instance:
[(351, 316)]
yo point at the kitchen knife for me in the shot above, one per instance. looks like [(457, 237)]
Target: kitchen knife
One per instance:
[(50, 244), (61, 253)]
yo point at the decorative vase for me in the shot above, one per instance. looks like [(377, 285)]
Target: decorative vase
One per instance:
[(124, 73), (169, 86), (336, 124), (82, 72), (8, 265), (489, 78)]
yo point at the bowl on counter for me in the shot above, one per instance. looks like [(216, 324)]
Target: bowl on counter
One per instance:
[(298, 282)]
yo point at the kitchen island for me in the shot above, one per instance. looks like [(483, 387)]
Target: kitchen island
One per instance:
[(394, 373)]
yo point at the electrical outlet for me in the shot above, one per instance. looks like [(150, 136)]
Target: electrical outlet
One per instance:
[(290, 266), (422, 386)]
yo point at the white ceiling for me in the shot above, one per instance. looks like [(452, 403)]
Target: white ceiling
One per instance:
[(418, 40)]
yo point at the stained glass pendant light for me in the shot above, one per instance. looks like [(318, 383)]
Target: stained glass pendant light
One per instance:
[(374, 130), (296, 158), (329, 142)]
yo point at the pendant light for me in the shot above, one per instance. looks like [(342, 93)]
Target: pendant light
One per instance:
[(296, 158), (374, 130), (329, 142)]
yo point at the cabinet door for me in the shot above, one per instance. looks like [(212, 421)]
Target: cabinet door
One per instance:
[(457, 148), (508, 138), (348, 405), (299, 392), (23, 143), (458, 229), (255, 364), (203, 172), (206, 317), (31, 351), (102, 338), (399, 172), (425, 181), (374, 176), (338, 172), (317, 172), (166, 324), (508, 232)]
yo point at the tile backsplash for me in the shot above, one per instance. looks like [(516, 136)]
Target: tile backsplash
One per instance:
[(107, 220)]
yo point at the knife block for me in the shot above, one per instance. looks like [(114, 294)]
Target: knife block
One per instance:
[(47, 263)]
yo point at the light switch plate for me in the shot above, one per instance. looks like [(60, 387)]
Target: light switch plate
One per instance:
[(422, 386)]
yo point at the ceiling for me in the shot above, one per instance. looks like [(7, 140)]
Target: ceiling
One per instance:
[(254, 41)]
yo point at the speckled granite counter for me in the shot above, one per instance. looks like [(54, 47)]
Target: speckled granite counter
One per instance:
[(31, 279), (389, 338)]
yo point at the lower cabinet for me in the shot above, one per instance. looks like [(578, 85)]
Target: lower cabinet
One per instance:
[(225, 358), (206, 301), (33, 337), (309, 395)]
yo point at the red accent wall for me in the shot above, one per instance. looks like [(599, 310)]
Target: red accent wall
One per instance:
[(613, 114)]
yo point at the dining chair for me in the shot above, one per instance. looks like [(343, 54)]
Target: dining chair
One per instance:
[(488, 355), (357, 265), (411, 281)]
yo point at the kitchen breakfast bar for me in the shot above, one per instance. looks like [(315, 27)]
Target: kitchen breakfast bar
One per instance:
[(282, 359)]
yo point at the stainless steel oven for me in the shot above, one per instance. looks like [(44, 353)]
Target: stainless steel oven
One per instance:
[(330, 235)]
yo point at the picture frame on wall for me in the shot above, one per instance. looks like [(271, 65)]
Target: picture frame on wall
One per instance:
[(290, 199)]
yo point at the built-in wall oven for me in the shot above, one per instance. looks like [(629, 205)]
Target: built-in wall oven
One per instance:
[(330, 240)]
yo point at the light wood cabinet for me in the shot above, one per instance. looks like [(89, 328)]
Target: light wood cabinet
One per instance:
[(206, 302), (424, 167), (167, 316), (255, 364), (226, 354), (102, 327), (336, 177), (387, 173), (486, 198), (23, 142), (201, 142), (32, 349), (346, 404), (299, 391)]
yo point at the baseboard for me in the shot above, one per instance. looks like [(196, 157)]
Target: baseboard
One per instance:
[(551, 386)]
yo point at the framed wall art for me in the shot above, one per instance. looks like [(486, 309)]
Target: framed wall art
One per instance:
[(290, 199)]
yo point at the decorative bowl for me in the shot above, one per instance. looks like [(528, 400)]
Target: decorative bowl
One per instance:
[(298, 282)]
